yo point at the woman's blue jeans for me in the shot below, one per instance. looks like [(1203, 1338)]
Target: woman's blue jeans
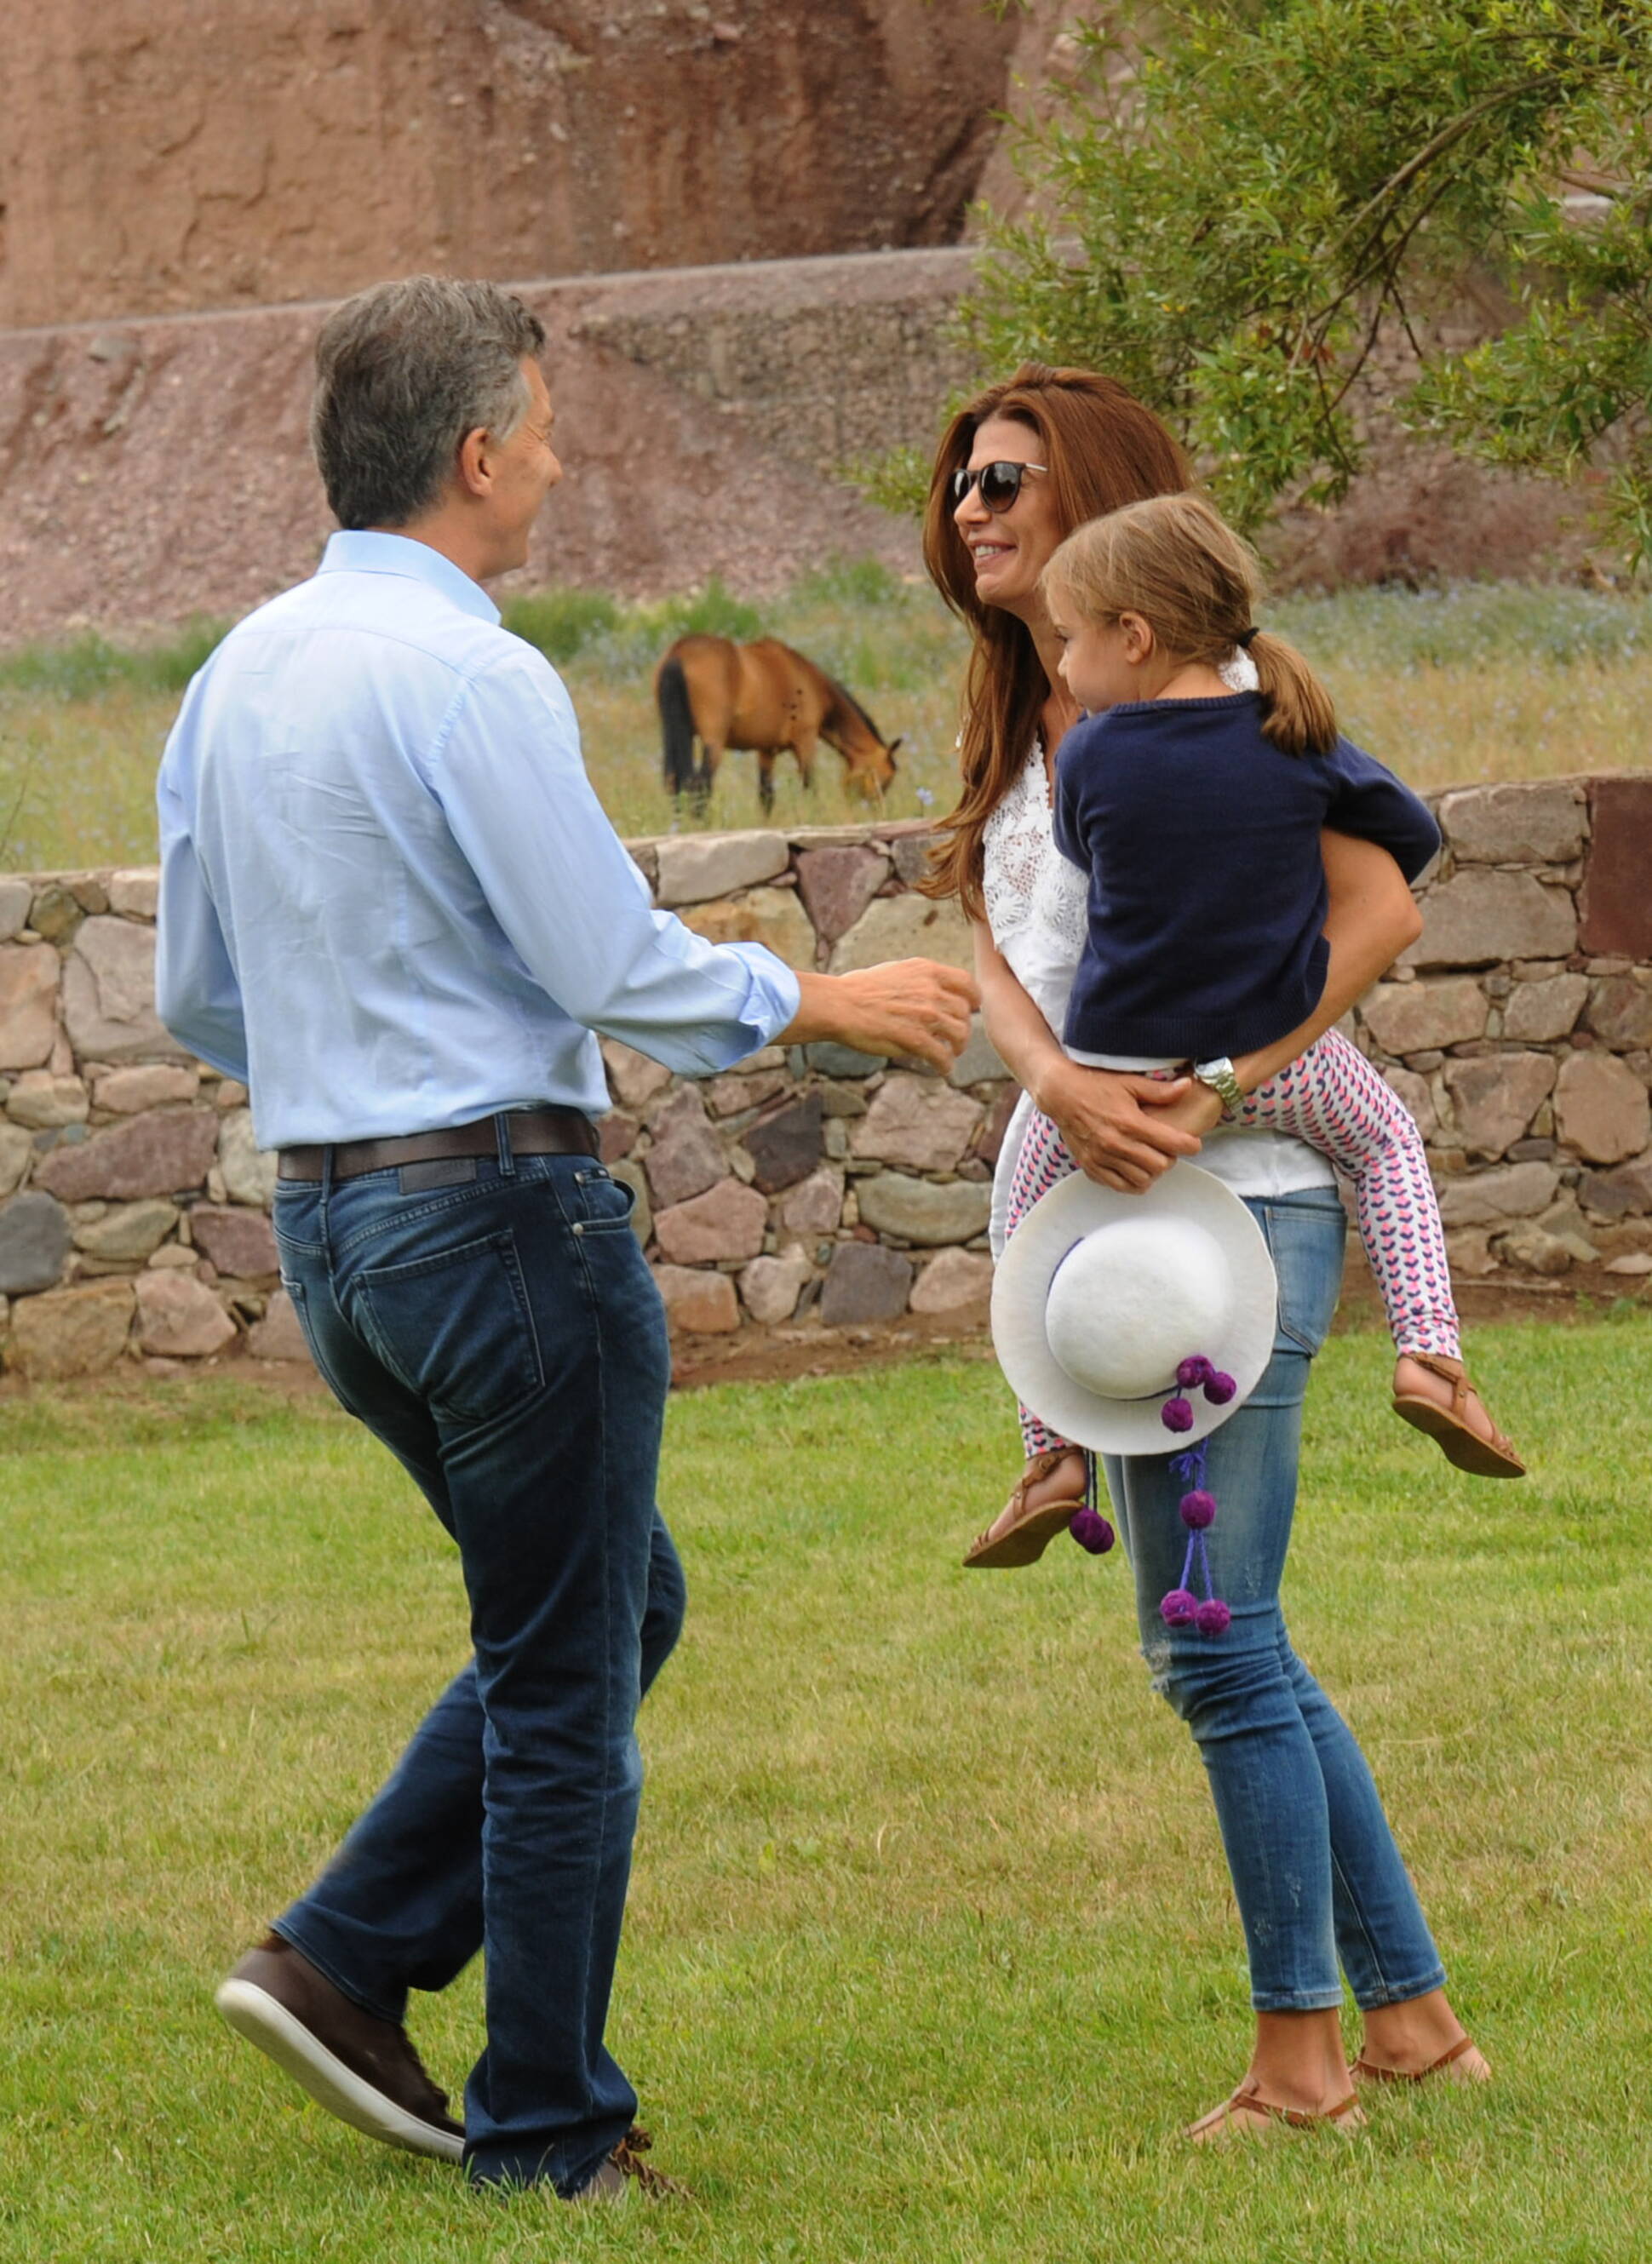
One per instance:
[(502, 1335), (1316, 1874)]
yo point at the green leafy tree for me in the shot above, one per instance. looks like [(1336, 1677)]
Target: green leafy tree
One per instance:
[(1233, 214)]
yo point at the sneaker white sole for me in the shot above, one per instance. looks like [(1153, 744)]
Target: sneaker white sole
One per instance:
[(252, 2013)]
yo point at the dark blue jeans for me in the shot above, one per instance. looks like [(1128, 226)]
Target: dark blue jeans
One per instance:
[(1316, 1874), (503, 1336)]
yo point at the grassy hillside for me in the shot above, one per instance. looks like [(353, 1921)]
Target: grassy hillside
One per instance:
[(1477, 681)]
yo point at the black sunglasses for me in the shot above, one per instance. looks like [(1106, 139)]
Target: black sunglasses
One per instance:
[(1000, 484)]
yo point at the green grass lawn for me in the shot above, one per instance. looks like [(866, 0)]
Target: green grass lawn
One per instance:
[(1481, 681), (931, 1950)]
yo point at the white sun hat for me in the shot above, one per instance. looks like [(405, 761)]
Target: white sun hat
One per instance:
[(1100, 1297)]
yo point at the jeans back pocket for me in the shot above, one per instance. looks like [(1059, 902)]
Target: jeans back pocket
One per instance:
[(456, 1327)]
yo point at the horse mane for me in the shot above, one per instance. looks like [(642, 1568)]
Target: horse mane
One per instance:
[(843, 697)]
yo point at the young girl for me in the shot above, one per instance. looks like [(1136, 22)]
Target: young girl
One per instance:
[(1196, 813)]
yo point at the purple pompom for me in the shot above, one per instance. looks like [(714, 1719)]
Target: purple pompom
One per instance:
[(1176, 1415), (1180, 1607), (1220, 1389), (1091, 1530), (1194, 1371), (1212, 1618), (1198, 1509)]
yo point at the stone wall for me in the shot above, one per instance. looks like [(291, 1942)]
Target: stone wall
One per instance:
[(1519, 1028), (814, 1191), (155, 469)]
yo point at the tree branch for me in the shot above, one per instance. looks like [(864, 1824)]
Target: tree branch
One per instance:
[(1447, 139)]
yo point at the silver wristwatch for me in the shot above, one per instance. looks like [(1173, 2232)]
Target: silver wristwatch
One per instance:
[(1218, 1075)]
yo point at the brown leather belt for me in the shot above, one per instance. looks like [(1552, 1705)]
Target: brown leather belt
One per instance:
[(530, 1132)]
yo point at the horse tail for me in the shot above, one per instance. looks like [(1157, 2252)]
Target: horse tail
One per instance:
[(676, 723)]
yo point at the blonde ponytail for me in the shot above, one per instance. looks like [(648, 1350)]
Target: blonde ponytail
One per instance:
[(1197, 584), (1298, 715)]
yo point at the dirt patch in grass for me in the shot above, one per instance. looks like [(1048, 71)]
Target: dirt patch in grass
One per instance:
[(1587, 1294), (1584, 1295)]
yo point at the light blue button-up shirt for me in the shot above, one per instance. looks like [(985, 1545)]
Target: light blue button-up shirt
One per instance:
[(391, 900)]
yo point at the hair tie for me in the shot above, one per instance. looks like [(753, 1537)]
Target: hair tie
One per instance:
[(1243, 640)]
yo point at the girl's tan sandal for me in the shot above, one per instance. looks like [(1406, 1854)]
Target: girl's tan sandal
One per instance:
[(1246, 2116), (1458, 1439), (1366, 2071), (1030, 1531)]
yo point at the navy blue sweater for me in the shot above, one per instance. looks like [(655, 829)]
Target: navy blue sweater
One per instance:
[(1207, 891)]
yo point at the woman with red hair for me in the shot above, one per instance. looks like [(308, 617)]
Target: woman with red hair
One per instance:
[(1317, 1877)]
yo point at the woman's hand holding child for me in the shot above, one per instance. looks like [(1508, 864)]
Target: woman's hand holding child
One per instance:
[(1123, 1130)]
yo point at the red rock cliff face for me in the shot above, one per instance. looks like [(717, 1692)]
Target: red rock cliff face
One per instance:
[(167, 155)]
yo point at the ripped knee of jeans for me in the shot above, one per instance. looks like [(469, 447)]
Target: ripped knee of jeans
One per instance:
[(1156, 1650), (1216, 1688)]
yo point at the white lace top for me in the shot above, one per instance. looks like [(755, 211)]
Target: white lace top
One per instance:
[(1036, 909), (1037, 901)]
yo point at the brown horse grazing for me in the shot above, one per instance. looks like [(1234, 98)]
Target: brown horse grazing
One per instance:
[(762, 696)]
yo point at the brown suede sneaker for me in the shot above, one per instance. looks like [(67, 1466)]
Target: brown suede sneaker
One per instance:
[(358, 2067)]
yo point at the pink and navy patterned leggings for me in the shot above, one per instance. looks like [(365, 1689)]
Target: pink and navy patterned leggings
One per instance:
[(1332, 1097)]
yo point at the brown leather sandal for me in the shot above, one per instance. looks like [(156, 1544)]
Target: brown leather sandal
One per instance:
[(1030, 1531), (1246, 2116), (1365, 2071), (1458, 1440)]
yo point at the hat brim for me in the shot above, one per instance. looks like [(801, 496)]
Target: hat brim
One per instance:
[(1021, 1290)]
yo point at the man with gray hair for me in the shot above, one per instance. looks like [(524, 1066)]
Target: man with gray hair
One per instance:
[(391, 903)]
